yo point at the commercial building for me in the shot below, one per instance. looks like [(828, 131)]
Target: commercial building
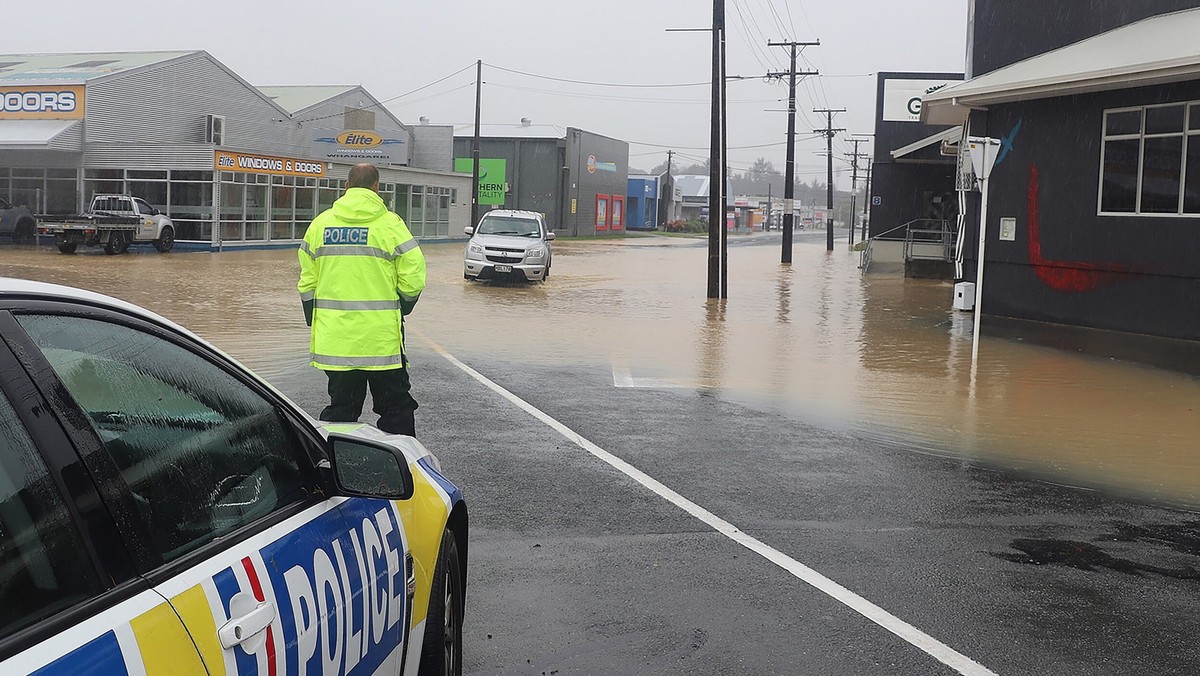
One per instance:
[(231, 163), (577, 178), (642, 202), (912, 179), (1093, 217)]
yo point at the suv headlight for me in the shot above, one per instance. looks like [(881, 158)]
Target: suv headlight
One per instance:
[(535, 252), (474, 250)]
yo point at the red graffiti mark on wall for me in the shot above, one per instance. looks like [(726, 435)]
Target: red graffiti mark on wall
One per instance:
[(1065, 276)]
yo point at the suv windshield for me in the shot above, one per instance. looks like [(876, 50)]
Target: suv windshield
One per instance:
[(507, 225)]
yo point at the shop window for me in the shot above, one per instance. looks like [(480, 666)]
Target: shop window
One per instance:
[(104, 174), (154, 192), (401, 208), (61, 197), (1151, 160), (91, 188), (256, 212), (416, 222), (601, 212), (190, 203), (232, 231), (305, 211), (27, 191), (232, 206), (431, 213)]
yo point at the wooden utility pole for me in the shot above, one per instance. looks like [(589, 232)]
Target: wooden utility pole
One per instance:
[(866, 203), (475, 145), (829, 132), (789, 185), (716, 162), (854, 157)]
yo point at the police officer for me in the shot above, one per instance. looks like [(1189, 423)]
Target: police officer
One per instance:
[(361, 271)]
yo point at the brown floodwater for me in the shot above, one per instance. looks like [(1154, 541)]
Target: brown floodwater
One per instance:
[(880, 355)]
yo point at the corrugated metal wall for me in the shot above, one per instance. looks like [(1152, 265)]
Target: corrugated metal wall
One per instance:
[(433, 147), (166, 104)]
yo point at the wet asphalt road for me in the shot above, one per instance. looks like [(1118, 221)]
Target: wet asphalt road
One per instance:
[(575, 568)]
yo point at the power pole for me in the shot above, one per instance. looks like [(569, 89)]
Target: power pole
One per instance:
[(854, 157), (789, 184), (668, 186), (769, 205), (716, 168), (866, 202), (829, 132), (724, 175), (475, 145)]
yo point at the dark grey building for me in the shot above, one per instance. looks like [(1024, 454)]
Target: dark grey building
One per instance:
[(577, 178), (912, 180), (1094, 201)]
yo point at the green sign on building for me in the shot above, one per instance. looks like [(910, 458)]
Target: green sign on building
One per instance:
[(492, 177)]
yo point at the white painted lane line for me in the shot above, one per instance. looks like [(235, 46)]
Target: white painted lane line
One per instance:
[(931, 646), (623, 377)]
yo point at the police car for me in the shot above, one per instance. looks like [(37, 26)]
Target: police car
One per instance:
[(165, 511)]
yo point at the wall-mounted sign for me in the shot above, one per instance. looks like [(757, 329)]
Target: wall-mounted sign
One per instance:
[(41, 102), (1008, 229), (902, 98), (263, 164), (493, 178), (594, 165), (360, 145)]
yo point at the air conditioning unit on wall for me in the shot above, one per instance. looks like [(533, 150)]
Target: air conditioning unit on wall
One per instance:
[(214, 129)]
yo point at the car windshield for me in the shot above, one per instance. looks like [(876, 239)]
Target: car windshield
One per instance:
[(506, 225)]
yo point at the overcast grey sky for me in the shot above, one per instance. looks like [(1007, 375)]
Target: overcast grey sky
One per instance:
[(395, 47)]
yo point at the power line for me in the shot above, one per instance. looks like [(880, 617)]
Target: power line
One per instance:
[(607, 97), (601, 84), (398, 96)]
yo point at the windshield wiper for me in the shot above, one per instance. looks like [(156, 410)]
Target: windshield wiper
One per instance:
[(500, 232)]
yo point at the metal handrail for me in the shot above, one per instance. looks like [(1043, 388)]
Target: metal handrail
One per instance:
[(942, 235)]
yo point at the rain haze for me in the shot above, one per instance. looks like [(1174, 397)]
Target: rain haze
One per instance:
[(395, 48), (764, 432)]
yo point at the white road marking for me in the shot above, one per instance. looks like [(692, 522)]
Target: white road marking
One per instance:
[(623, 377), (931, 646)]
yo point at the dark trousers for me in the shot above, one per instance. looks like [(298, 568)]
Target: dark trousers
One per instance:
[(389, 391)]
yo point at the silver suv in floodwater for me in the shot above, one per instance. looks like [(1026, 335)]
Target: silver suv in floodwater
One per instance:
[(509, 244)]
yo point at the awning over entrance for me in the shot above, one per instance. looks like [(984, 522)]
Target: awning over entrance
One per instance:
[(951, 134), (65, 135), (1157, 50)]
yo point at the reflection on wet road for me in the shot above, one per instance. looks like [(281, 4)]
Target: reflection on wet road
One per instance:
[(882, 355)]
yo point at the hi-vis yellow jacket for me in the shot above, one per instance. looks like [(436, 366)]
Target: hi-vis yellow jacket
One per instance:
[(361, 271)]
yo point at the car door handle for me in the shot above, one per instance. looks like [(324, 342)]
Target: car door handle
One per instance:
[(246, 629)]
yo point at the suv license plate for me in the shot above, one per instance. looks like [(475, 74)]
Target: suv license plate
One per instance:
[(503, 268)]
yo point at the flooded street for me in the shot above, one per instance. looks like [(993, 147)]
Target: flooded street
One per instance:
[(883, 356)]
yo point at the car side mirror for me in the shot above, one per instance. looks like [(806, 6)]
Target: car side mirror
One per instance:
[(369, 469), (550, 236), (469, 230)]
